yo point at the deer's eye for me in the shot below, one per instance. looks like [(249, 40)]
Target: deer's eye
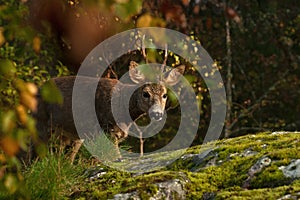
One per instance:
[(146, 95), (165, 96)]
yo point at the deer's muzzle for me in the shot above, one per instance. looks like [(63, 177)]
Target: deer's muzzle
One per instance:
[(156, 112)]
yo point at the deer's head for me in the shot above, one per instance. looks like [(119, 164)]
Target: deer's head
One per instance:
[(152, 96)]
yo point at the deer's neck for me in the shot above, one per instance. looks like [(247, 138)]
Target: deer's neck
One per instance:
[(134, 109)]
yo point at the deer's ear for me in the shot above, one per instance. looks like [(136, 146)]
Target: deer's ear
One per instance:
[(172, 76), (135, 74)]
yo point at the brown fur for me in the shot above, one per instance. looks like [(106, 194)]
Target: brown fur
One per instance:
[(53, 115)]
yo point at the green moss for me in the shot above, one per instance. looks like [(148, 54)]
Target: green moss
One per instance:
[(148, 191), (266, 193), (225, 180), (232, 172), (270, 177), (114, 182)]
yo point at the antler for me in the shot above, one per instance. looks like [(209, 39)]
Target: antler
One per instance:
[(144, 50), (164, 64), (165, 57)]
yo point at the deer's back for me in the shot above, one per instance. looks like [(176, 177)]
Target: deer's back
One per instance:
[(61, 116)]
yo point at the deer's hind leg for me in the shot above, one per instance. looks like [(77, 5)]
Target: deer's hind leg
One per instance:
[(75, 148), (117, 139), (118, 136)]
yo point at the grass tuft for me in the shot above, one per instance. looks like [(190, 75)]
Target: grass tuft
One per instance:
[(52, 177)]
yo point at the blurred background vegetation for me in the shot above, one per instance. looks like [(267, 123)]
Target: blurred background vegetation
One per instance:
[(255, 44)]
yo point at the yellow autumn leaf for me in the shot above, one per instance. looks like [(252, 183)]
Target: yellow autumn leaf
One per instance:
[(2, 160), (22, 114), (2, 38), (32, 88), (37, 44), (147, 20), (144, 21), (28, 100), (9, 146)]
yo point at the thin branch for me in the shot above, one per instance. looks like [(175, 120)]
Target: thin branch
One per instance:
[(245, 76), (257, 103), (229, 78)]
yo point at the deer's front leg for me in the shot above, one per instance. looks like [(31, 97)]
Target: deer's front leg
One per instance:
[(141, 139), (141, 144), (118, 136)]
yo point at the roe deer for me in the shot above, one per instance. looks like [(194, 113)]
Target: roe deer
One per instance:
[(150, 98)]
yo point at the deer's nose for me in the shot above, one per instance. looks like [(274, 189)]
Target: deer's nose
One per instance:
[(156, 116)]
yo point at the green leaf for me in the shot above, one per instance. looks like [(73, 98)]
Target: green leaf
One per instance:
[(172, 100), (11, 183), (128, 9), (190, 78), (50, 93), (8, 121), (7, 68)]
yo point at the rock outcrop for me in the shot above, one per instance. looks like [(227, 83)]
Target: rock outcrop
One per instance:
[(260, 166)]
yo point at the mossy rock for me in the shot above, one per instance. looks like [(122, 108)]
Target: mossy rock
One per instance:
[(246, 167)]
